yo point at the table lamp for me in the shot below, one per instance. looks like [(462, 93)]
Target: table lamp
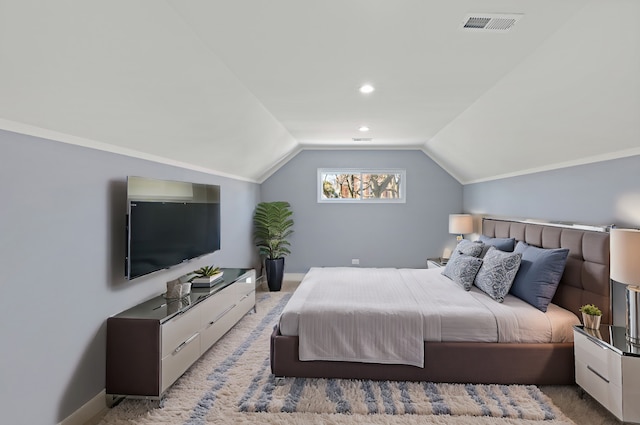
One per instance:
[(625, 269), (460, 224)]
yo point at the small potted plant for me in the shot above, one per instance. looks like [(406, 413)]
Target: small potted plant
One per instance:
[(591, 316), (206, 275)]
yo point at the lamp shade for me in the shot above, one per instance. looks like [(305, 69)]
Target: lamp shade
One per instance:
[(624, 247), (460, 224)]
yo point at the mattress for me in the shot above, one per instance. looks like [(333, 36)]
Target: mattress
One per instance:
[(330, 300)]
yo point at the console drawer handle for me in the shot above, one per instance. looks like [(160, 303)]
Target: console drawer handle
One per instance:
[(221, 314), (598, 375), (184, 344)]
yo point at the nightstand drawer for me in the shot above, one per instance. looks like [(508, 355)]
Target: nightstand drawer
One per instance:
[(598, 358), (596, 385)]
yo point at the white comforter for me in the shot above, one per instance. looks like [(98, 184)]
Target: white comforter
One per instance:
[(384, 315)]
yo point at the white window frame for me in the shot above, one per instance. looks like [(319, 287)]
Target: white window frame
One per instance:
[(401, 199)]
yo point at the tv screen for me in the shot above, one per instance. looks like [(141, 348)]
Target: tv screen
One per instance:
[(169, 223)]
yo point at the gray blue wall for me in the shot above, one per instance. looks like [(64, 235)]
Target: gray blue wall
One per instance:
[(380, 235), (606, 192), (62, 223)]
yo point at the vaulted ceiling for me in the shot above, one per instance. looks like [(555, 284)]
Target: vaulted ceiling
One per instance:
[(237, 87)]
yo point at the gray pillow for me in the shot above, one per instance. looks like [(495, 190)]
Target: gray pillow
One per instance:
[(463, 270), (497, 272), (539, 274), (466, 247), (503, 244)]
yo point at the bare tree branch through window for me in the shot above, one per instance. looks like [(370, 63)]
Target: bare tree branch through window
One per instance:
[(361, 185)]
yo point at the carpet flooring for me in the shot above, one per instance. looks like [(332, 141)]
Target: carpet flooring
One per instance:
[(232, 384)]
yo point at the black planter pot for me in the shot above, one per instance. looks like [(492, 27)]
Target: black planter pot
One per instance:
[(275, 273)]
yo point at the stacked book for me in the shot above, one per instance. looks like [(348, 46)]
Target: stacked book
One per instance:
[(206, 281)]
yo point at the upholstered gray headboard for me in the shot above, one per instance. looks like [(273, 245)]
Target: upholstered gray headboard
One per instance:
[(586, 276)]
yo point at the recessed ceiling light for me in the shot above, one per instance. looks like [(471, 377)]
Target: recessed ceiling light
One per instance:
[(364, 128), (367, 88)]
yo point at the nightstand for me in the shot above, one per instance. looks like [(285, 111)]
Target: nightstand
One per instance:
[(436, 263), (608, 368)]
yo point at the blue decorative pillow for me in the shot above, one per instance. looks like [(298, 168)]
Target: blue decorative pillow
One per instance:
[(539, 274), (503, 244), (463, 269), (497, 272)]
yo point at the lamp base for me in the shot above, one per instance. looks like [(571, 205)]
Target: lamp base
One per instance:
[(633, 315)]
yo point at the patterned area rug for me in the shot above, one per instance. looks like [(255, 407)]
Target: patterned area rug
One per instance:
[(232, 384), (396, 398)]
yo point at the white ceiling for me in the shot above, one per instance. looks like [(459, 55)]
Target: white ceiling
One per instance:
[(237, 87)]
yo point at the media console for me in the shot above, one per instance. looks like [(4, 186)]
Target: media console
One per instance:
[(151, 345)]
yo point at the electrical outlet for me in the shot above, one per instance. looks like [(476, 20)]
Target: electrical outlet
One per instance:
[(355, 261)]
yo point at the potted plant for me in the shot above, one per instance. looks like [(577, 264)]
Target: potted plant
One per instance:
[(591, 316), (205, 275), (272, 226)]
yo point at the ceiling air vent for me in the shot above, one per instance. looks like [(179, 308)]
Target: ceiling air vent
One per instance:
[(490, 22), (362, 139)]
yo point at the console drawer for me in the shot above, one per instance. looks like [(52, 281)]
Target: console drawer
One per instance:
[(178, 361), (247, 301), (220, 317), (213, 307), (179, 329), (215, 329)]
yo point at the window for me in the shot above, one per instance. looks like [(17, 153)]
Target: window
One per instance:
[(361, 185)]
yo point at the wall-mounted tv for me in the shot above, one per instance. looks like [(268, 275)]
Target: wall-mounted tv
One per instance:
[(168, 223)]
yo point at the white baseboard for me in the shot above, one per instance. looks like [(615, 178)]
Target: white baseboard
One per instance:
[(294, 277), (88, 411)]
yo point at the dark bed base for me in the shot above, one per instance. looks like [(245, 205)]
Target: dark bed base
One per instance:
[(585, 281), (483, 363)]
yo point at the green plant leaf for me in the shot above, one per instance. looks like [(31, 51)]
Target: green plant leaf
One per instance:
[(272, 227), (591, 309), (207, 271)]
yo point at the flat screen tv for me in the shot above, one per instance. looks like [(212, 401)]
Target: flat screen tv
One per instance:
[(168, 223)]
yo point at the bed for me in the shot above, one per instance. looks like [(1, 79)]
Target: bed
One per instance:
[(464, 358)]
